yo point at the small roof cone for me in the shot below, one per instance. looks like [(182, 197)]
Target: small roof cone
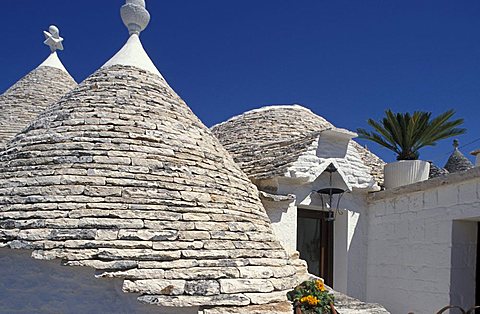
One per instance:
[(457, 161), (436, 171), (128, 180), (22, 102)]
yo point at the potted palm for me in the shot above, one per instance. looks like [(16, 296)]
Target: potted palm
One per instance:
[(405, 135)]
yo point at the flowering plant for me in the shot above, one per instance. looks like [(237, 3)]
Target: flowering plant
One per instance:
[(312, 297)]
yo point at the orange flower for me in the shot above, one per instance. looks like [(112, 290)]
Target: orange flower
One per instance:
[(310, 299), (320, 285)]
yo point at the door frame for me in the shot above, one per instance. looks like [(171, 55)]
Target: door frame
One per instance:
[(326, 242), (477, 271)]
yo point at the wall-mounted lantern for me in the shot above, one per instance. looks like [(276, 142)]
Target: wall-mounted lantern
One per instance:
[(331, 196)]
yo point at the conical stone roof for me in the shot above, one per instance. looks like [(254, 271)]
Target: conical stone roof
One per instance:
[(121, 176), (436, 171), (457, 161), (266, 141), (22, 102)]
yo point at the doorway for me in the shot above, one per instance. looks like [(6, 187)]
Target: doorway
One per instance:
[(477, 270), (463, 268), (315, 243)]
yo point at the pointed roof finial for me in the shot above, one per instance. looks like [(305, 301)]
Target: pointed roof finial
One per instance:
[(53, 39), (135, 16), (456, 144)]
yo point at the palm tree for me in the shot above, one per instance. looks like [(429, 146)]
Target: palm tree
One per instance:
[(406, 134)]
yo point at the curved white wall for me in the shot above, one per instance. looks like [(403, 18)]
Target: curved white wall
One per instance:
[(30, 286)]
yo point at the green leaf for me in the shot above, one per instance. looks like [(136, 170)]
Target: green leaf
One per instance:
[(405, 134)]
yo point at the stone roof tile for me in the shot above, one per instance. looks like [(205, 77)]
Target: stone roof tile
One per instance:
[(266, 141), (120, 174), (436, 171), (22, 102), (457, 161), (45, 85)]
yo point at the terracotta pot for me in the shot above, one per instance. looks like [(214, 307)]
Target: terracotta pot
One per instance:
[(405, 172), (333, 311)]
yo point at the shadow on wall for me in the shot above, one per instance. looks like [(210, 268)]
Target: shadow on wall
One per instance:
[(463, 257), (280, 210), (357, 251), (31, 286)]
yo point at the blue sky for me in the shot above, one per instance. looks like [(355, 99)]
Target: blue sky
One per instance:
[(346, 60)]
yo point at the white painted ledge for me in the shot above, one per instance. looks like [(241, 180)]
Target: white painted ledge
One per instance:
[(133, 54), (451, 178)]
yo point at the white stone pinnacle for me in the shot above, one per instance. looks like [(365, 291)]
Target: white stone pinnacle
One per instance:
[(54, 62), (133, 54), (135, 16), (53, 39)]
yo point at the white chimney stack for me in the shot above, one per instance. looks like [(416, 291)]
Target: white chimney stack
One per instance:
[(476, 153)]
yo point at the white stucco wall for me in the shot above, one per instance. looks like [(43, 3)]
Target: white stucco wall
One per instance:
[(31, 286), (422, 244), (357, 246), (350, 230), (302, 179), (283, 215), (326, 150)]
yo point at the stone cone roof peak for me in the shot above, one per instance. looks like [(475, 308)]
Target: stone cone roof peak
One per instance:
[(54, 42), (22, 102), (120, 175), (436, 171), (133, 54), (136, 18), (457, 161), (53, 61)]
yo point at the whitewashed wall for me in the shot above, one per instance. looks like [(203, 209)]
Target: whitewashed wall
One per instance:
[(350, 229), (30, 286), (283, 215), (357, 246), (342, 153), (422, 244)]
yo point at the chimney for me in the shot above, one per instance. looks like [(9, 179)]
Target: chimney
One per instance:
[(476, 153)]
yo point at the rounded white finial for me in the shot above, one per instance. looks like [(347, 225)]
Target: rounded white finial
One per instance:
[(53, 39), (135, 16), (137, 2), (54, 30)]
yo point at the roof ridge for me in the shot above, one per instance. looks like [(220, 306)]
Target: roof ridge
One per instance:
[(263, 109)]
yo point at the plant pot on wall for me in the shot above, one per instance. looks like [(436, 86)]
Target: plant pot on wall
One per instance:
[(405, 134), (405, 172), (298, 310)]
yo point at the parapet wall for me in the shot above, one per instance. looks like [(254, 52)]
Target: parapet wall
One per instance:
[(422, 244)]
